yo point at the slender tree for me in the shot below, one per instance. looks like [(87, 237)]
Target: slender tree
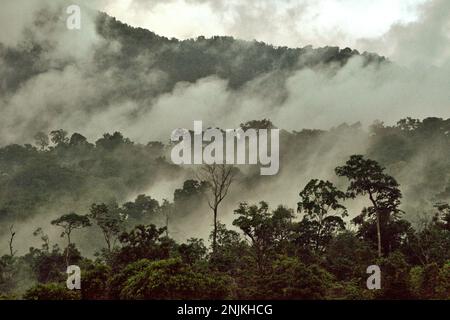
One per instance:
[(110, 220), (367, 177), (70, 222), (11, 240), (219, 178), (166, 210)]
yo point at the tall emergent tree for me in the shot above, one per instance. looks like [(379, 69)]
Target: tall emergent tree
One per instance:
[(70, 222), (219, 178), (367, 177)]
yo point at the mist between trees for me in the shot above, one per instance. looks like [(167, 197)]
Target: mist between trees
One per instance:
[(352, 212)]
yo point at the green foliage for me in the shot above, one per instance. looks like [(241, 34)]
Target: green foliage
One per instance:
[(112, 142), (431, 281), (59, 137), (266, 231), (143, 242), (193, 251), (51, 291), (143, 207), (348, 256), (94, 282), (291, 279), (110, 219), (367, 177), (230, 251), (395, 277), (48, 266), (171, 279), (432, 243), (15, 276), (70, 222), (319, 200)]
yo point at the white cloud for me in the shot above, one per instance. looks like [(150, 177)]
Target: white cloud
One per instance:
[(292, 23)]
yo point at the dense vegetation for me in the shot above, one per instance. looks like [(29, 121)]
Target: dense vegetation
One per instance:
[(320, 250)]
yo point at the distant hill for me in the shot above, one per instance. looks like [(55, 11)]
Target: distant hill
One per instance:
[(130, 54), (235, 60)]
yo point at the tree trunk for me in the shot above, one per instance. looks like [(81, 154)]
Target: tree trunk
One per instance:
[(377, 212), (11, 240), (108, 241), (67, 251), (379, 235), (215, 230), (11, 250), (167, 225)]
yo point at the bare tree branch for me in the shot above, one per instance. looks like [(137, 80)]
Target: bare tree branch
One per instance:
[(219, 178)]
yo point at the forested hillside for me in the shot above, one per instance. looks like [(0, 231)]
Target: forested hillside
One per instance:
[(138, 50), (232, 59)]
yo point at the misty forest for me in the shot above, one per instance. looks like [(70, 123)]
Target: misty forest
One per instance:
[(86, 177)]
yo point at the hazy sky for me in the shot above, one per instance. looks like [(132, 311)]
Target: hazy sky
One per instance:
[(281, 22)]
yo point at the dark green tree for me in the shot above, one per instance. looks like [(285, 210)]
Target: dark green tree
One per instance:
[(52, 292), (320, 201), (110, 219), (265, 230), (59, 137), (70, 222), (230, 251), (172, 280), (143, 207), (367, 177), (143, 242), (193, 251)]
